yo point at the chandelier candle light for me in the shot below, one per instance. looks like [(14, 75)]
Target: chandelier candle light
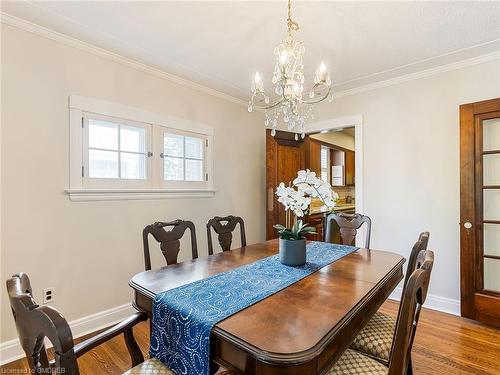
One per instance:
[(288, 79)]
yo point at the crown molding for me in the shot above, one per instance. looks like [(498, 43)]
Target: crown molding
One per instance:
[(76, 43), (101, 52), (420, 74)]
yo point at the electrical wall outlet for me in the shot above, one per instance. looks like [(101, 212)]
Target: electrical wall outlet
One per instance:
[(48, 295)]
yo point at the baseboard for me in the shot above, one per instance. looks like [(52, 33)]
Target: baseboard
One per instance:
[(11, 350), (434, 302)]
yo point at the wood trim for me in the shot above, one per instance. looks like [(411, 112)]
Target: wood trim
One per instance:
[(271, 171), (467, 212)]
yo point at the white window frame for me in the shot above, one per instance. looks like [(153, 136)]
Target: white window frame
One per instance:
[(82, 188), (103, 183), (159, 134), (328, 168)]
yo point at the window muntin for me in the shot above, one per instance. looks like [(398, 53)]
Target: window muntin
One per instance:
[(183, 157)]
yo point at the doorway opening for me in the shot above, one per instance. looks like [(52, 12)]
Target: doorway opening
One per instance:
[(337, 164)]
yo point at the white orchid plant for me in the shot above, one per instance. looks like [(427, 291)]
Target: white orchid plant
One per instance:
[(297, 199)]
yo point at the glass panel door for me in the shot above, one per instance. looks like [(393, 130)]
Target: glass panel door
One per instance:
[(491, 204)]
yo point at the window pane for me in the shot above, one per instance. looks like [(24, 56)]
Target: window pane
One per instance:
[(173, 169), (491, 134), (133, 166), (491, 236), (194, 170), (491, 169), (103, 134), (491, 276), (194, 148), (173, 145), (491, 204), (103, 164), (132, 139)]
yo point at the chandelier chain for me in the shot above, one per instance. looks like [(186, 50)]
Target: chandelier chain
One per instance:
[(290, 103), (292, 25)]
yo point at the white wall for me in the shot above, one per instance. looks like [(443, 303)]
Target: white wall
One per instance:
[(411, 163), (88, 251), (336, 138)]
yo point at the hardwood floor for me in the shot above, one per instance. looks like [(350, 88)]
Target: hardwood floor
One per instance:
[(444, 344)]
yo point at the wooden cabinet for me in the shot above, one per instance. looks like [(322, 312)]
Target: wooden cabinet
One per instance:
[(312, 150), (284, 157), (349, 167), (316, 221)]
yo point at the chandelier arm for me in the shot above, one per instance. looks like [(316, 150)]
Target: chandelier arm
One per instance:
[(320, 99), (267, 106)]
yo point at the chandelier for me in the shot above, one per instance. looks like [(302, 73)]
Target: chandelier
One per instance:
[(288, 78)]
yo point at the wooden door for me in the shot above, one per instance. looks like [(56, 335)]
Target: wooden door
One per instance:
[(284, 158), (480, 210)]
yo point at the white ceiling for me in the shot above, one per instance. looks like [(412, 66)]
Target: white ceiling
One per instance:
[(220, 44)]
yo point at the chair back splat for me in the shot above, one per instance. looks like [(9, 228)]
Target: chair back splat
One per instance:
[(169, 240), (224, 227), (421, 244), (348, 226)]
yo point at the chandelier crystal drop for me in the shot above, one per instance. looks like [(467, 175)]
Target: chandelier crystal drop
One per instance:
[(291, 105)]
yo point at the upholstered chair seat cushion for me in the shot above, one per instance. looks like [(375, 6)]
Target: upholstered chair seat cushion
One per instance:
[(355, 363), (375, 340), (149, 367)]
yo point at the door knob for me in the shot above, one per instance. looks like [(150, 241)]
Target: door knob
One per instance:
[(467, 225)]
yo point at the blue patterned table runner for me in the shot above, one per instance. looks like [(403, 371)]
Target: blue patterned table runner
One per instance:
[(183, 317)]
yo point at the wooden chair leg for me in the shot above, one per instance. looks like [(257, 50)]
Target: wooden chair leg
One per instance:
[(133, 348), (409, 368)]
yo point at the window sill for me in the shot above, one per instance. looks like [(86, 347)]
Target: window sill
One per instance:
[(85, 195)]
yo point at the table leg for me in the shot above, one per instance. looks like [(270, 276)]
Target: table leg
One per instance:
[(214, 367)]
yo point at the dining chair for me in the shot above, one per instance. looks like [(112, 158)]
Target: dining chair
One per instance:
[(353, 362), (376, 338), (224, 227), (34, 323), (169, 240), (342, 228)]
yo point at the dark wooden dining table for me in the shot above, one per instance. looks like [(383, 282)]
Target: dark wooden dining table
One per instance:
[(302, 329)]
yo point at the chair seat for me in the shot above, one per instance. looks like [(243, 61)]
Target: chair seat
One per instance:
[(355, 363), (375, 340), (149, 367)]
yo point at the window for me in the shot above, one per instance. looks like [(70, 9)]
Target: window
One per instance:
[(183, 157), (115, 149), (119, 152), (325, 163)]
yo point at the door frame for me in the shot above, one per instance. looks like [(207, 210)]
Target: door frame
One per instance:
[(355, 121), (475, 303)]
